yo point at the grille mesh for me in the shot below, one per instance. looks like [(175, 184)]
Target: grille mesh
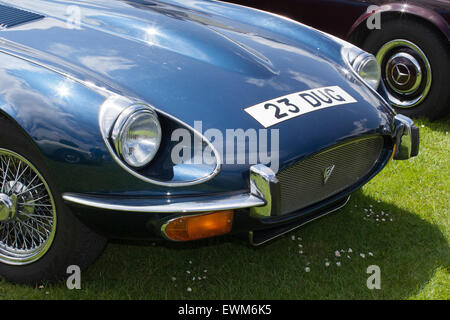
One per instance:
[(10, 16), (303, 183)]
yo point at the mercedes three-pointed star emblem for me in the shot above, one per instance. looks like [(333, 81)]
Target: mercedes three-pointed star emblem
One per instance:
[(401, 74)]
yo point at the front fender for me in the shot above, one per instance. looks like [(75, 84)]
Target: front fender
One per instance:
[(59, 115)]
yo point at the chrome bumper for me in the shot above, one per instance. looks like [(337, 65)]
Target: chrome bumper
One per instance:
[(407, 138), (211, 203), (263, 200)]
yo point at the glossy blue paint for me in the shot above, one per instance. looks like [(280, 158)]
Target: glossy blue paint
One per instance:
[(194, 60)]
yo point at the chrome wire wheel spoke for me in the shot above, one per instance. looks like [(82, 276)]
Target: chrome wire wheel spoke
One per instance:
[(27, 211)]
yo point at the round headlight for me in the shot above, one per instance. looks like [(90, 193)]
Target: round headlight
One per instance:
[(137, 135), (366, 65)]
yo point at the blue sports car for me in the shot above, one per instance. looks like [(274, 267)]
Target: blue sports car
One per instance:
[(176, 119)]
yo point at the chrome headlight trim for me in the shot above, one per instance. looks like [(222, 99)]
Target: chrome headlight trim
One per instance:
[(124, 123), (109, 112), (368, 64), (361, 62), (349, 53)]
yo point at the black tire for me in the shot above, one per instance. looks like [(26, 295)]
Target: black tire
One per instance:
[(436, 102), (73, 243)]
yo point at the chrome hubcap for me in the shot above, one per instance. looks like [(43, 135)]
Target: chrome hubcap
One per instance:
[(27, 211), (6, 207), (403, 73), (406, 72)]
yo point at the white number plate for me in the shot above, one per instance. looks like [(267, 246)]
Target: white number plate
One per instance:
[(293, 105)]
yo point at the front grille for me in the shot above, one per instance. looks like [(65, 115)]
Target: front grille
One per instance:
[(303, 184), (10, 16)]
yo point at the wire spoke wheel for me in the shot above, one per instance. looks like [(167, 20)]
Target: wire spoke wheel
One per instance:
[(27, 211)]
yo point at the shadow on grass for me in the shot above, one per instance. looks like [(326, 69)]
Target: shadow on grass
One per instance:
[(408, 250)]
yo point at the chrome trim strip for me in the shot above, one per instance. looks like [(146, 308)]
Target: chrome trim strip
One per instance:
[(262, 191), (205, 205), (250, 234)]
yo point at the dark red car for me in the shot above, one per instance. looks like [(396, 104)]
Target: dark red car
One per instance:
[(409, 38)]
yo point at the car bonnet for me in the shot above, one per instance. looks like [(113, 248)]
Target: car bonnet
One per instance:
[(201, 61)]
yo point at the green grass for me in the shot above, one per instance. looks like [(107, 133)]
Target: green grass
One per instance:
[(412, 250)]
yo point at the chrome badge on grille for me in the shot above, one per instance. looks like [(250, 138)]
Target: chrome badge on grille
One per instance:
[(327, 173)]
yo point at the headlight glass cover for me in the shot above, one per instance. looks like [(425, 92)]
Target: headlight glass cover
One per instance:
[(364, 64), (137, 135)]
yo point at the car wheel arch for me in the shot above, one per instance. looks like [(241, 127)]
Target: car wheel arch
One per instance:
[(5, 116), (433, 20), (431, 50)]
